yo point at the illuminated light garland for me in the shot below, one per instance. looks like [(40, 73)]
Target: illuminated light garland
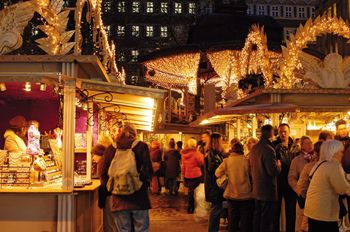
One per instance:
[(308, 33), (177, 71), (57, 40), (256, 37)]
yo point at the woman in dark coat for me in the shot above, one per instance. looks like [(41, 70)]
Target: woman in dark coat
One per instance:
[(213, 193), (156, 158), (172, 168)]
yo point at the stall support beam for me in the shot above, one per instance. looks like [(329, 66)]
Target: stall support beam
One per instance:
[(89, 139), (66, 215)]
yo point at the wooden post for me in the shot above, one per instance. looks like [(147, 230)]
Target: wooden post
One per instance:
[(239, 128), (90, 122), (254, 126)]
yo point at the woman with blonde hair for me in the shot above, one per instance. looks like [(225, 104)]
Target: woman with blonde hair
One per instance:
[(191, 163), (327, 183), (250, 144)]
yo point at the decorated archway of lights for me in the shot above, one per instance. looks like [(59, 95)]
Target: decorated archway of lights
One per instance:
[(57, 41), (308, 33)]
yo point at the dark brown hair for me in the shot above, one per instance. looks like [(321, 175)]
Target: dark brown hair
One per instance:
[(237, 148), (214, 143)]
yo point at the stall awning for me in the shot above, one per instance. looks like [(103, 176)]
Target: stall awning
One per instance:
[(140, 105), (266, 101), (228, 113)]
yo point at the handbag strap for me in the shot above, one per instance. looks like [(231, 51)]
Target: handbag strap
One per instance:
[(310, 176)]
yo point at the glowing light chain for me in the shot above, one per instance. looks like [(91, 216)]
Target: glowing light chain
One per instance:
[(178, 71), (57, 40), (305, 34)]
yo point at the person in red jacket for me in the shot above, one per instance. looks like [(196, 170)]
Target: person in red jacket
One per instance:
[(191, 163)]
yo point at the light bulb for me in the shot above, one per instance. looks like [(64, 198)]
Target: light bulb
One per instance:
[(2, 87), (42, 87), (27, 87)]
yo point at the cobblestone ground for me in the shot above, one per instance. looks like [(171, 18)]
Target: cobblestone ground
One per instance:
[(169, 214)]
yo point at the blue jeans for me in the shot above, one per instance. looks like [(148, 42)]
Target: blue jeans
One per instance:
[(125, 220), (214, 217)]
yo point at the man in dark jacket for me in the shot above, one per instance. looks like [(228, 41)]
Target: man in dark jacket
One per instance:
[(283, 145), (131, 210), (172, 160), (264, 169)]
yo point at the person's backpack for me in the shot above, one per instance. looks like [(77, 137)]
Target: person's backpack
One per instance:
[(123, 176)]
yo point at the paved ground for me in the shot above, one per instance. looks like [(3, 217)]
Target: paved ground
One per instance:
[(169, 214)]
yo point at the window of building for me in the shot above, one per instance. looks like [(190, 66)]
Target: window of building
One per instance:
[(164, 32), (108, 29), (121, 7), (192, 8), (261, 9), (134, 55), (312, 10), (35, 31), (149, 31), (287, 32), (301, 12), (107, 6), (275, 11), (149, 8), (135, 31), (250, 9), (288, 11), (178, 8), (121, 57), (164, 7), (135, 7), (121, 31)]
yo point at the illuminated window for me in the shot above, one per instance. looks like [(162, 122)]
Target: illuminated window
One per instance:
[(250, 10), (178, 8), (107, 6), (135, 31), (135, 7), (121, 31), (301, 12), (261, 9), (134, 55), (35, 31), (192, 8), (134, 80), (108, 29), (164, 32), (149, 7), (149, 31), (121, 7), (288, 11), (121, 57), (275, 11), (164, 7)]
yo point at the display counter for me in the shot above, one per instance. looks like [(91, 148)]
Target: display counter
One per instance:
[(41, 209)]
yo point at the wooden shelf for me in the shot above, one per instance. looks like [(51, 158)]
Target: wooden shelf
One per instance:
[(80, 150)]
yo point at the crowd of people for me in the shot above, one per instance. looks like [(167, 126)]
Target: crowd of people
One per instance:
[(254, 178)]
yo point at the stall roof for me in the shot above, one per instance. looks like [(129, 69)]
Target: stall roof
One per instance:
[(264, 101), (36, 67), (140, 105)]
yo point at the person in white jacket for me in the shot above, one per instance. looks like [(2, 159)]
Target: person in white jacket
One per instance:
[(13, 136), (327, 183)]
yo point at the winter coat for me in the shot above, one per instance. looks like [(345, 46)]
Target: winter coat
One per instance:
[(172, 163), (304, 181), (297, 166), (264, 171), (328, 182), (14, 143), (236, 168), (212, 161), (284, 154), (140, 199), (191, 163)]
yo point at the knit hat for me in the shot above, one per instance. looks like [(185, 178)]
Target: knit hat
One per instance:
[(18, 122), (98, 149), (340, 122)]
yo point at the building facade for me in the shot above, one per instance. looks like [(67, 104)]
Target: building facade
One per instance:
[(288, 13), (140, 27)]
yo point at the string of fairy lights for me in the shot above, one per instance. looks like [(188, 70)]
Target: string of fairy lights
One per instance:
[(321, 25)]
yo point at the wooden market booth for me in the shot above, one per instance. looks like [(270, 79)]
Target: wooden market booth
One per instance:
[(59, 206)]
